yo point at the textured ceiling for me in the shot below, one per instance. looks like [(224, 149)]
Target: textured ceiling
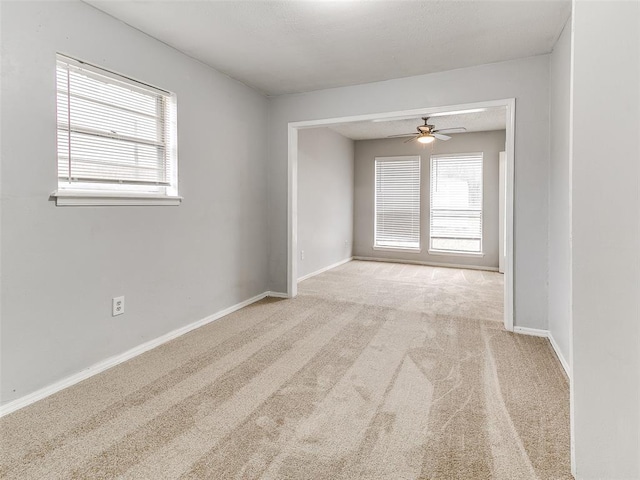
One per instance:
[(489, 119), (283, 47)]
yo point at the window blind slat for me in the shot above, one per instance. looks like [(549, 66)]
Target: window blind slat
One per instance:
[(456, 203), (397, 219)]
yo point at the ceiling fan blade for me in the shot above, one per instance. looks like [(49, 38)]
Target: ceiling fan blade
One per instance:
[(402, 135), (411, 139), (440, 136), (451, 130)]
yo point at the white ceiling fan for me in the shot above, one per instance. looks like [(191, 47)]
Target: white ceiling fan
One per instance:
[(428, 133)]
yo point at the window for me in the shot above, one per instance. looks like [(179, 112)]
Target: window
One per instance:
[(117, 138), (397, 219), (456, 203)]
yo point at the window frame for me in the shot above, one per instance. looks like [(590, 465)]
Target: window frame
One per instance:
[(99, 193), (377, 246), (457, 253)]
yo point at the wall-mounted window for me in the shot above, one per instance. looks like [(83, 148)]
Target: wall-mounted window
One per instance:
[(456, 204), (397, 203), (116, 139)]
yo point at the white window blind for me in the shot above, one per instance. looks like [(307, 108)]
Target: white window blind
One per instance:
[(456, 203), (113, 133), (397, 202)]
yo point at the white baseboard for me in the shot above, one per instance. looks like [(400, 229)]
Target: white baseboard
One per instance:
[(99, 367), (322, 270), (429, 264), (277, 295), (534, 332), (560, 356), (546, 334)]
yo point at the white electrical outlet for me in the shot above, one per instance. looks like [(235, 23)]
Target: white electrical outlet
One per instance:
[(301, 254), (117, 306)]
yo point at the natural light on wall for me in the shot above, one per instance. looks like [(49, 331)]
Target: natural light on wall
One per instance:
[(456, 204), (116, 137)]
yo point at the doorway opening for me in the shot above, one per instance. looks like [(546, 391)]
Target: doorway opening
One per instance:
[(506, 201)]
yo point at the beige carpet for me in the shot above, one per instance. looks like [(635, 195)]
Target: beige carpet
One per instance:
[(375, 371)]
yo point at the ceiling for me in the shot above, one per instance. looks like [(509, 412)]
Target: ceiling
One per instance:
[(280, 47), (487, 120)]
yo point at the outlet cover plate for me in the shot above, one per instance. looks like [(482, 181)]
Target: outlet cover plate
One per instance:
[(117, 306)]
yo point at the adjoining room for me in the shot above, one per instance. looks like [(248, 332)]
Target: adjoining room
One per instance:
[(386, 189)]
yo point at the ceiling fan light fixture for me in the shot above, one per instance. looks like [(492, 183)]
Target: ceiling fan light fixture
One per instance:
[(425, 139)]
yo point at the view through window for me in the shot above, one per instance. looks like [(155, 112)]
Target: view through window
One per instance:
[(456, 203)]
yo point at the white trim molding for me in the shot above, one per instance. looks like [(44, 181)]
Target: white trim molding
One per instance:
[(277, 295), (322, 270), (428, 264), (88, 199), (106, 364), (563, 361), (509, 199), (535, 332)]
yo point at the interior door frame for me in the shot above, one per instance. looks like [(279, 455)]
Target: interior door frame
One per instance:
[(502, 165), (292, 197)]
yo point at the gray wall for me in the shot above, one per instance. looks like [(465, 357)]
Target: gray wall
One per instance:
[(605, 270), (490, 143), (176, 265), (559, 214), (325, 199), (527, 80)]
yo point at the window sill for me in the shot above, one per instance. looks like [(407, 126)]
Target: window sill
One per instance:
[(85, 199), (398, 249), (456, 254)]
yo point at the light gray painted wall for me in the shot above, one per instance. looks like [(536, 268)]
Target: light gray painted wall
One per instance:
[(605, 202), (325, 199), (526, 79), (490, 143), (559, 184), (62, 265)]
